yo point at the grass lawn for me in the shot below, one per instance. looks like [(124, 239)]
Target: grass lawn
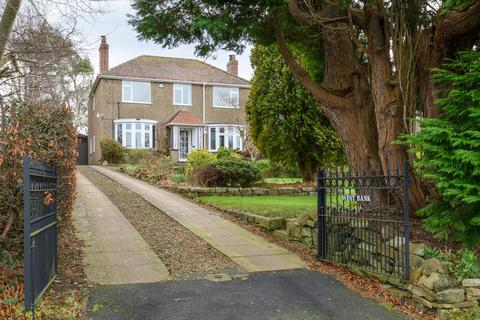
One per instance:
[(278, 206), (282, 180)]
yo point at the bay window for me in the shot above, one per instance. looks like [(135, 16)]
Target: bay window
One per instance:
[(135, 134), (225, 97), (136, 92), (226, 137)]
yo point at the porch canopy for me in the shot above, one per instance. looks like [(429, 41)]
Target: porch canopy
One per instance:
[(186, 120)]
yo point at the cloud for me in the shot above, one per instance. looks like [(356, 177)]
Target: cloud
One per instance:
[(124, 44)]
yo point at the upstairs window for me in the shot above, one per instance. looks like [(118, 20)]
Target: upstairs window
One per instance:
[(182, 94), (225, 97), (136, 91)]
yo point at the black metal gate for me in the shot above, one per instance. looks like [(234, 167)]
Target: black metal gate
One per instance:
[(40, 229), (363, 219)]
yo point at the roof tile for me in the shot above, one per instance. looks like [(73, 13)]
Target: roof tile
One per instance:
[(174, 69), (185, 117)]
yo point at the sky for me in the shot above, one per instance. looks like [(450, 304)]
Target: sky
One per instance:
[(124, 44)]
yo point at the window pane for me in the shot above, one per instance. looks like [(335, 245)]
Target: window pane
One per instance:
[(153, 137), (127, 92), (138, 139), (221, 96), (222, 141), (128, 126), (230, 142), (237, 142), (213, 138), (138, 126), (147, 139), (128, 139), (141, 91), (178, 94), (234, 97), (187, 94), (119, 132)]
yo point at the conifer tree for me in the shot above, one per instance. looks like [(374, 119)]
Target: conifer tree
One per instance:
[(449, 151)]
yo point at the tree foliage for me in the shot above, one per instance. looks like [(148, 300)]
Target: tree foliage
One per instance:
[(52, 68), (285, 120), (367, 63), (46, 133), (449, 148)]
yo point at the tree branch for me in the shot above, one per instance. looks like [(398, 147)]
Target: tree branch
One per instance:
[(6, 23), (322, 17), (325, 98), (457, 24)]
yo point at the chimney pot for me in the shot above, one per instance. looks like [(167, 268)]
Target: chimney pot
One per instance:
[(232, 65), (103, 50)]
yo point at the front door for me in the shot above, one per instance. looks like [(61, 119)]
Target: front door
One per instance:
[(184, 144)]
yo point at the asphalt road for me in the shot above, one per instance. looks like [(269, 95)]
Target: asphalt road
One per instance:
[(285, 295)]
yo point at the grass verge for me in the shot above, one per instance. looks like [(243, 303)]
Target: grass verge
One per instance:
[(268, 206)]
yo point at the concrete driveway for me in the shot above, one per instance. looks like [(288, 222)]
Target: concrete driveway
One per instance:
[(283, 295)]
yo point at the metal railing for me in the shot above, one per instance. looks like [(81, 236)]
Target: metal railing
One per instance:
[(363, 219), (40, 229)]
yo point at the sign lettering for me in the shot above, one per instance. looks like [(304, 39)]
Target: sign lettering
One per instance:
[(357, 197)]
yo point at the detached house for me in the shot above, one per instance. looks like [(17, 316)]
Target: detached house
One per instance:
[(177, 105)]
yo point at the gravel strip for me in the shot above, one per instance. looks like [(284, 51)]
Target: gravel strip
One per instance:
[(184, 254)]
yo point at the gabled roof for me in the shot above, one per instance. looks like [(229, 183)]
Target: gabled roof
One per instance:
[(185, 117), (173, 69)]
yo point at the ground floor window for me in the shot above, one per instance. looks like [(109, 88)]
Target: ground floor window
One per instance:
[(228, 137), (135, 134)]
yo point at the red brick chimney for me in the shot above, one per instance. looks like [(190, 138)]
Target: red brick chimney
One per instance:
[(232, 65), (103, 50)]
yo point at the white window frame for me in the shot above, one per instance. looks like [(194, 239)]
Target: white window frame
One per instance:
[(182, 86), (133, 131), (92, 145), (232, 91), (237, 143), (128, 85)]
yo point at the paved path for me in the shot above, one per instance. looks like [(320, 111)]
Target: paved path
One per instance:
[(285, 295), (249, 251), (115, 253)]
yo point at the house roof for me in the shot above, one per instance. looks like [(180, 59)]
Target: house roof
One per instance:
[(173, 69), (185, 117)]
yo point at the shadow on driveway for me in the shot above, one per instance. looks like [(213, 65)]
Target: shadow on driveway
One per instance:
[(285, 295)]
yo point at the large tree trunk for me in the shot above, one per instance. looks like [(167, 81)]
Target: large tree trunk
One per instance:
[(367, 108), (386, 100)]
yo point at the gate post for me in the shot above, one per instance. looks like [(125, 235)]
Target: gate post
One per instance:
[(321, 213), (406, 222), (27, 245)]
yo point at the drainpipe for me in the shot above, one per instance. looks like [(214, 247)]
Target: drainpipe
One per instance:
[(203, 103), (203, 118)]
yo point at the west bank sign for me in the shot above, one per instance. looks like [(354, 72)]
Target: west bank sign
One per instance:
[(357, 197)]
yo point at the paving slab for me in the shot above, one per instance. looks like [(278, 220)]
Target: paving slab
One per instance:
[(115, 253), (251, 252)]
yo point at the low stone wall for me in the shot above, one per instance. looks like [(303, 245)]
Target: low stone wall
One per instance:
[(432, 287), (193, 192)]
